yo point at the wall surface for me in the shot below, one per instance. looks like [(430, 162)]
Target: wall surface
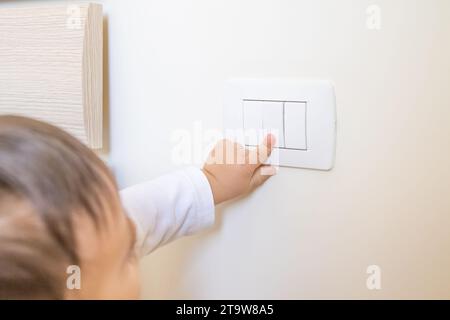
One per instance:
[(305, 234)]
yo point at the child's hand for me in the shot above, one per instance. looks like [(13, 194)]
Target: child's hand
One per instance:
[(233, 170)]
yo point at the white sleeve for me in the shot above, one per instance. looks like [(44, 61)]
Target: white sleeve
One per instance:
[(169, 207)]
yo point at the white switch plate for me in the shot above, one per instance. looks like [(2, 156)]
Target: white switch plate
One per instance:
[(320, 117)]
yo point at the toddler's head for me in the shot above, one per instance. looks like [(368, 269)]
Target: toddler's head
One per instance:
[(59, 207)]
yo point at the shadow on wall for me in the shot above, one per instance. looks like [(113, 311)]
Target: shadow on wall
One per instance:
[(106, 146), (106, 115)]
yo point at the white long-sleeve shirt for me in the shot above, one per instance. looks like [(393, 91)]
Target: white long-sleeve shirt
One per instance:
[(171, 206)]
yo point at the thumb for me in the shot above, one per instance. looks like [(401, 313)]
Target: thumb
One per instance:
[(265, 149)]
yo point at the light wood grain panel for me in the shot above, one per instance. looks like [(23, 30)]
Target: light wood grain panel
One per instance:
[(51, 67)]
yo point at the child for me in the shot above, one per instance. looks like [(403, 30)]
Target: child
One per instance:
[(59, 206)]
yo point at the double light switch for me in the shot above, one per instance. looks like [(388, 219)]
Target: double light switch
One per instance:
[(286, 120), (300, 113)]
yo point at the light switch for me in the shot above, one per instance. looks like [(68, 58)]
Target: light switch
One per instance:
[(253, 122), (295, 125), (273, 121), (301, 112)]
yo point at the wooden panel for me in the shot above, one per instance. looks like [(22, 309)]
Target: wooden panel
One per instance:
[(51, 67)]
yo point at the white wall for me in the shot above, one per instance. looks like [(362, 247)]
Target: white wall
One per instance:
[(305, 234)]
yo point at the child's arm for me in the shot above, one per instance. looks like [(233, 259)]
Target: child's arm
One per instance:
[(169, 207), (182, 203)]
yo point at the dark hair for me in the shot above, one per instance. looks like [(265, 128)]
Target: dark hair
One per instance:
[(47, 177)]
